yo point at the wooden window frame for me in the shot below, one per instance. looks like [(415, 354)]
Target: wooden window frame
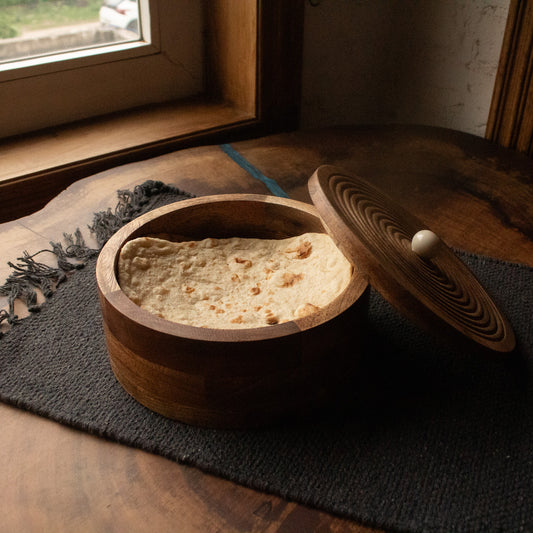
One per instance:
[(253, 86), (510, 121)]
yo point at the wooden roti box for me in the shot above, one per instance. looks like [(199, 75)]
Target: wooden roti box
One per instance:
[(229, 378), (251, 377)]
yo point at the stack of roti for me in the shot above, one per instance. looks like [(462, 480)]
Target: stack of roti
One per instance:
[(233, 283)]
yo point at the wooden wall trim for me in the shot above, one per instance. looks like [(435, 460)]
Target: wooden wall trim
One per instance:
[(510, 121), (231, 50), (279, 74)]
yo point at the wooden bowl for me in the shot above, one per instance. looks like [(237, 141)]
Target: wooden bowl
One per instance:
[(229, 378)]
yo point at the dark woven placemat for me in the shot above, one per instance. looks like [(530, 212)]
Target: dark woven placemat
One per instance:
[(435, 439)]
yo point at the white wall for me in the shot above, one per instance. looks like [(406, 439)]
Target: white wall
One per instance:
[(429, 62)]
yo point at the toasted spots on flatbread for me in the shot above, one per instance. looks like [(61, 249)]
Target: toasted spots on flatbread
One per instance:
[(305, 309), (246, 263), (301, 251), (233, 283), (270, 317), (288, 279)]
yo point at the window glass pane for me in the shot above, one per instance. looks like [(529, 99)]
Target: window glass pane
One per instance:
[(32, 28), (163, 63)]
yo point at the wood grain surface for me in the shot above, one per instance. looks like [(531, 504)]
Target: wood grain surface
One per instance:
[(476, 195), (510, 121)]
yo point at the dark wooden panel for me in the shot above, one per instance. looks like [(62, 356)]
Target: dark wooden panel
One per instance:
[(510, 120)]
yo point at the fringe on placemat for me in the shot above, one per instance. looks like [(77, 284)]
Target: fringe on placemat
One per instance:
[(29, 275)]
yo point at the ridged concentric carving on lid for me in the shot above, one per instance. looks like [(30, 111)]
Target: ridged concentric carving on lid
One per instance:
[(377, 234)]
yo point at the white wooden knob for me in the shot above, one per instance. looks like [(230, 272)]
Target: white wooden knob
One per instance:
[(425, 244)]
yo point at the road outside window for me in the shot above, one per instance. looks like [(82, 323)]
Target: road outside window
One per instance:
[(34, 28)]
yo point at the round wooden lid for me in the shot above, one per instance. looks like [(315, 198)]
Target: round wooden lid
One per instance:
[(419, 275)]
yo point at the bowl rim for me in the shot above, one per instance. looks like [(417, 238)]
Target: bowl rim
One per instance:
[(111, 292)]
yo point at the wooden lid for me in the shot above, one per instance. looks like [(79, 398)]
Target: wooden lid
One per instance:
[(429, 284)]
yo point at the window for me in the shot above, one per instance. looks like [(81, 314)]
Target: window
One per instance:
[(249, 50), (31, 29), (163, 64)]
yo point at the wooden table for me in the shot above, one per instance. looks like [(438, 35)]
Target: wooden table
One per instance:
[(474, 194)]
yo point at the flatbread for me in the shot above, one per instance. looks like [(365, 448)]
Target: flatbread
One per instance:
[(233, 283)]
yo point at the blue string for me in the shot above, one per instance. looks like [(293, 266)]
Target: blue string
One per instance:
[(271, 184)]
